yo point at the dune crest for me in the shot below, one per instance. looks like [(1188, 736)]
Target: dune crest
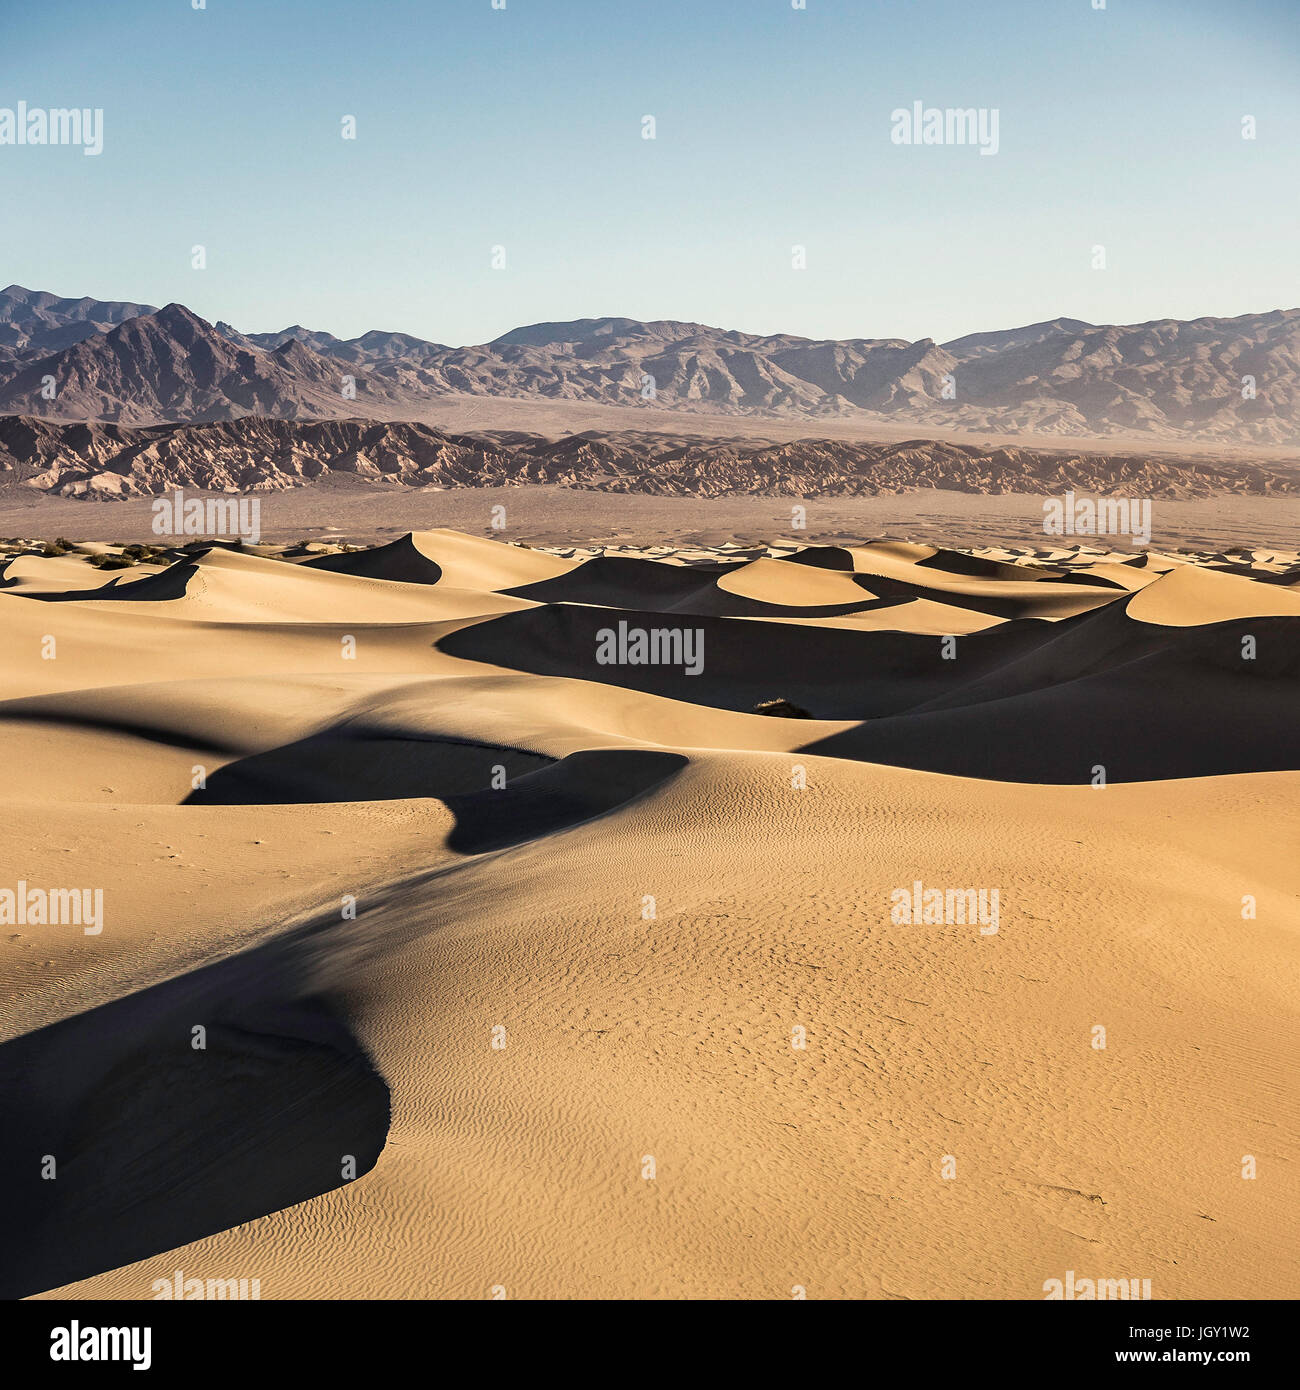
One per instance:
[(497, 887)]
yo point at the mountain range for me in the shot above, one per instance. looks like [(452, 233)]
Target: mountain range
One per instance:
[(1234, 381)]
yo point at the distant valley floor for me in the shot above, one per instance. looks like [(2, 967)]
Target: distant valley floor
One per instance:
[(363, 513)]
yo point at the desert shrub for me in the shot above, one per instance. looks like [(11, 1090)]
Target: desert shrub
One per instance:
[(781, 709)]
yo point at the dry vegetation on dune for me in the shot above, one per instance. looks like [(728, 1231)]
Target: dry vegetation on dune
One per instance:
[(523, 962)]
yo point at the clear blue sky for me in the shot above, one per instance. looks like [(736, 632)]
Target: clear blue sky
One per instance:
[(478, 127)]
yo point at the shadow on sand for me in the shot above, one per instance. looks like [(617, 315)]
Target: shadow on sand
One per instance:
[(155, 1143)]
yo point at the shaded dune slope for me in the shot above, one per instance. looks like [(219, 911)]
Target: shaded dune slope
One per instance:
[(832, 672), (158, 1142), (425, 729), (400, 560), (1194, 674)]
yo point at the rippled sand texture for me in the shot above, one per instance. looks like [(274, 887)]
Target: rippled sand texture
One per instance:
[(502, 957)]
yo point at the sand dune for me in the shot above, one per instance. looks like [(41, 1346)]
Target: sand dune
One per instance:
[(227, 586), (523, 969), (449, 558), (1188, 597)]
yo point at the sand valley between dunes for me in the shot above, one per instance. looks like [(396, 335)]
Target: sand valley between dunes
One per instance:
[(520, 971)]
